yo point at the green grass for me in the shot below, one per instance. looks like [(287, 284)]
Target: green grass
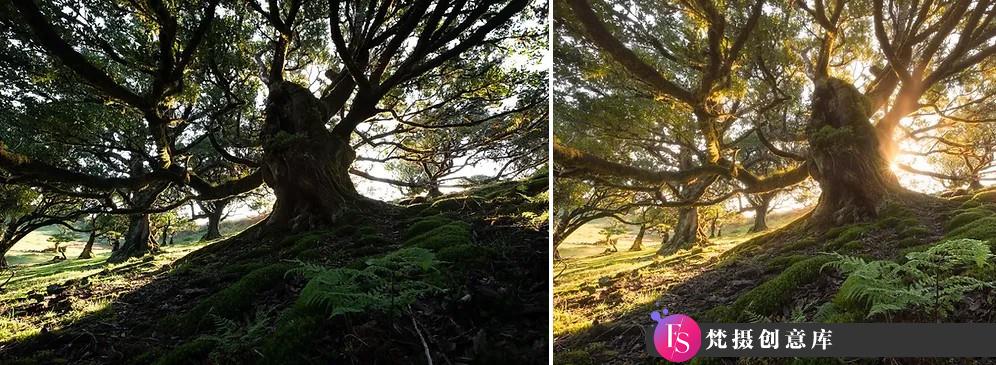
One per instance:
[(578, 282), (38, 276), (576, 288)]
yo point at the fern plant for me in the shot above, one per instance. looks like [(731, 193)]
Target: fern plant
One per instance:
[(387, 284), (231, 339), (931, 281)]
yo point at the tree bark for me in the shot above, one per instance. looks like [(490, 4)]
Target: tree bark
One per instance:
[(88, 248), (137, 239), (213, 227), (214, 217), (5, 245), (760, 220), (761, 204), (638, 241), (306, 166), (686, 232), (434, 191), (975, 184), (845, 157), (165, 234)]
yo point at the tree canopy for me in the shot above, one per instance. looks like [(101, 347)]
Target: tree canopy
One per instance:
[(692, 101), (141, 106)]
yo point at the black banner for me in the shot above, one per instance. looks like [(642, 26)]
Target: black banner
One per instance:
[(842, 340)]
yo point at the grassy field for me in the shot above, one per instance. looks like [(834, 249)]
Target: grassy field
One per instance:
[(586, 291), (36, 278)]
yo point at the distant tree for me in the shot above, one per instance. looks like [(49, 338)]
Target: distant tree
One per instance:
[(106, 226), (167, 224), (431, 157), (24, 210), (614, 229), (962, 155), (650, 218), (576, 203), (65, 235)]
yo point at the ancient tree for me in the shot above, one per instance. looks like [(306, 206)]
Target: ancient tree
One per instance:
[(153, 104), (829, 105)]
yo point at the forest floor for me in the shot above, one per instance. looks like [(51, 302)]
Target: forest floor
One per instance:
[(460, 279), (791, 273)]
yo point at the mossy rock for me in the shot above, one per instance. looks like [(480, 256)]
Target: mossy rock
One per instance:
[(455, 233), (915, 232), (237, 298), (980, 229), (800, 244), (345, 230), (774, 294), (367, 231), (309, 255), (846, 234), (192, 352), (985, 196), (466, 255), (970, 204), (720, 313), (425, 224), (966, 216), (851, 247), (293, 339), (243, 268), (781, 262), (372, 240), (908, 242)]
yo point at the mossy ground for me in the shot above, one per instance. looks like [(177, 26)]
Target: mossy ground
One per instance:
[(233, 302), (778, 276)]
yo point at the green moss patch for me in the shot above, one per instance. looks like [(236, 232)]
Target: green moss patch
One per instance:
[(466, 255), (237, 298), (847, 234), (192, 352), (423, 225), (985, 196), (966, 216), (773, 295), (980, 229), (454, 233), (293, 339)]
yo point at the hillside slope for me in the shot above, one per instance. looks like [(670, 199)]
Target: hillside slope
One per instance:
[(927, 263), (461, 279)]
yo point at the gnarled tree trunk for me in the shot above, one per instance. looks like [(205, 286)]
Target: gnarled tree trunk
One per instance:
[(6, 243), (214, 215), (137, 240), (307, 166), (686, 232), (213, 227), (761, 203), (845, 157), (638, 241), (88, 248)]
